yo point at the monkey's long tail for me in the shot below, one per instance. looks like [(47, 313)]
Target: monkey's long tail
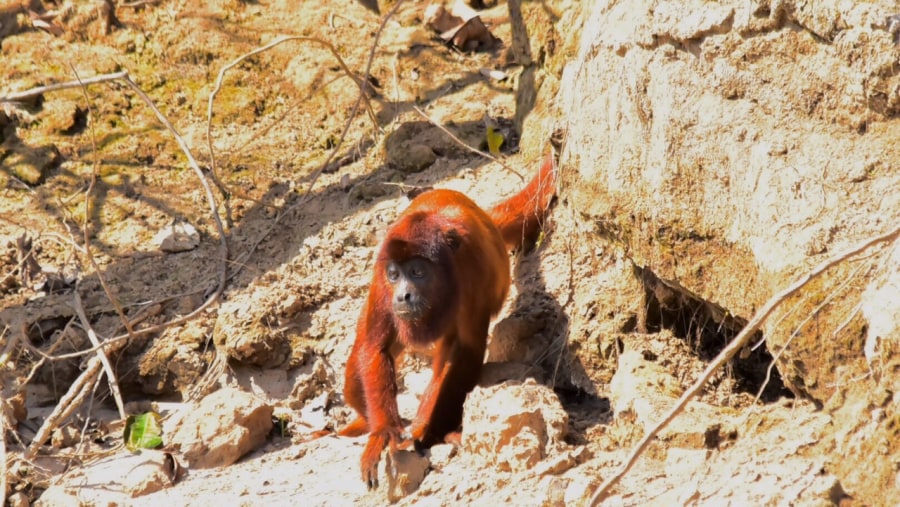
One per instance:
[(521, 217)]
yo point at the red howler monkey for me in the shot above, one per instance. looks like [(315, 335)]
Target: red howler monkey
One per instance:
[(441, 274)]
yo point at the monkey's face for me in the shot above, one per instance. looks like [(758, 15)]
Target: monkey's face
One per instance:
[(415, 284)]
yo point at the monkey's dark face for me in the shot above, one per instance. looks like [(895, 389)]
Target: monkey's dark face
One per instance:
[(415, 286)]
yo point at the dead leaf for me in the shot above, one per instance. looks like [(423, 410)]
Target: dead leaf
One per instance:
[(462, 27), (45, 22)]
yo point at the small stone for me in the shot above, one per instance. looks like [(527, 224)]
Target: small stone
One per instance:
[(513, 426), (405, 472), (224, 426), (67, 436), (416, 159), (18, 500), (177, 237)]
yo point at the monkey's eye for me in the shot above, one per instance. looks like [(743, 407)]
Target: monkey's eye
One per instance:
[(417, 268), (393, 273)]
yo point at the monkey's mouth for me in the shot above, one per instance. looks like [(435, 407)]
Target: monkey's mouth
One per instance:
[(407, 313)]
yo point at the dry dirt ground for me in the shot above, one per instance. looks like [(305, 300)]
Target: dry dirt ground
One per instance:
[(90, 177)]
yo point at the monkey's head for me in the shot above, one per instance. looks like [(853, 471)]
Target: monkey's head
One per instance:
[(415, 287), (420, 272)]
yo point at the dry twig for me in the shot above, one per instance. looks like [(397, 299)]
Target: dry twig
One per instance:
[(2, 458), (66, 406), (466, 146), (85, 233), (77, 391), (40, 90), (362, 83), (315, 176), (730, 350), (101, 354)]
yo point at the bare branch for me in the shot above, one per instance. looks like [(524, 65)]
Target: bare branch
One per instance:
[(86, 237), (218, 86), (69, 402), (315, 176), (34, 92), (104, 360), (731, 349), (466, 146)]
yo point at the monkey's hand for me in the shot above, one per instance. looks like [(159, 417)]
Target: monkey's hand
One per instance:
[(378, 440)]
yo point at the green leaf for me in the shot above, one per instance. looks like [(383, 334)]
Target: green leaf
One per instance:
[(143, 431), (540, 240), (494, 140)]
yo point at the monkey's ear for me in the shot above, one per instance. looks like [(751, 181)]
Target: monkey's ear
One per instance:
[(452, 239)]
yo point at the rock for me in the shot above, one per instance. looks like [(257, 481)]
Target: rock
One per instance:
[(513, 426), (31, 164), (224, 426), (644, 391), (406, 470), (63, 117), (496, 372), (367, 191), (554, 490), (65, 436), (244, 334), (177, 237), (91, 20), (292, 388), (440, 455), (508, 337), (18, 499), (712, 161), (880, 307), (13, 408), (124, 476), (416, 158), (9, 24), (175, 361), (685, 22)]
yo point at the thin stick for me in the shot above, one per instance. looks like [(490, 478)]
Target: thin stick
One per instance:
[(466, 146), (218, 86), (181, 143), (315, 176), (86, 236), (69, 402), (2, 457), (209, 196), (104, 360), (34, 92), (730, 350), (213, 208)]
